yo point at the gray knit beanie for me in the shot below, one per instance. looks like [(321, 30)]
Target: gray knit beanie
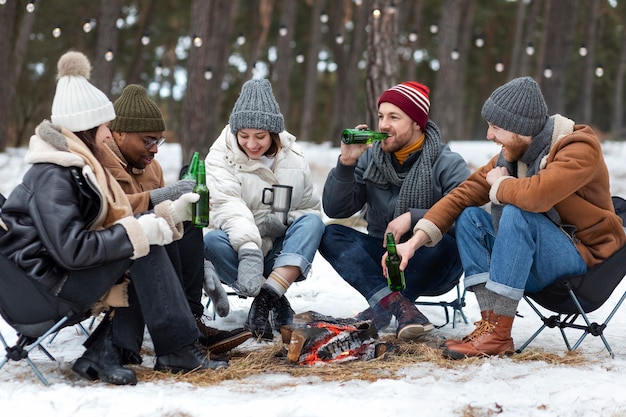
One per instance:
[(256, 108), (517, 106)]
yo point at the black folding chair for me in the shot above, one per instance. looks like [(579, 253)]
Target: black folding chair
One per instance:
[(573, 297), (33, 312), (455, 304)]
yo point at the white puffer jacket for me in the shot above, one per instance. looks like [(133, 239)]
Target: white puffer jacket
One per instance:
[(236, 185)]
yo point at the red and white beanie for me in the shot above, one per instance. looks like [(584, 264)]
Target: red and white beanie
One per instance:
[(412, 98)]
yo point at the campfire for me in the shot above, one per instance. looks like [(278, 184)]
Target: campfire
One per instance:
[(315, 339)]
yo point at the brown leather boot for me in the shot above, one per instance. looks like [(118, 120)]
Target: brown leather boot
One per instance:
[(493, 339), (220, 341), (484, 319), (412, 324)]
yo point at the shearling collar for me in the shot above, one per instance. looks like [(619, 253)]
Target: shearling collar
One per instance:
[(49, 144)]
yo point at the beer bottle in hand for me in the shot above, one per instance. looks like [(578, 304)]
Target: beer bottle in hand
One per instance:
[(200, 209), (395, 277), (192, 168), (361, 136)]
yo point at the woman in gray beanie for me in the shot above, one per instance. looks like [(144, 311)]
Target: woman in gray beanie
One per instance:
[(549, 178), (252, 249)]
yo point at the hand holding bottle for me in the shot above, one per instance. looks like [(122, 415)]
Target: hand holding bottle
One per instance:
[(351, 153), (180, 209)]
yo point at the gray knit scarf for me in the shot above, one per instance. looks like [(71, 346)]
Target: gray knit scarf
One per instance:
[(416, 185), (539, 147)]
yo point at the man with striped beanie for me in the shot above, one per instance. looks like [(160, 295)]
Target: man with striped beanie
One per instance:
[(392, 183)]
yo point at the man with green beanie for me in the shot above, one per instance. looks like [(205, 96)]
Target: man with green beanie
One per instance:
[(130, 157), (551, 213)]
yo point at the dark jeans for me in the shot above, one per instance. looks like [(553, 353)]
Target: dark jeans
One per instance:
[(187, 257), (157, 298), (356, 257), (86, 286)]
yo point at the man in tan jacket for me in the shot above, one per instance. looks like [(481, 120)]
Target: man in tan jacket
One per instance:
[(550, 213), (130, 156)]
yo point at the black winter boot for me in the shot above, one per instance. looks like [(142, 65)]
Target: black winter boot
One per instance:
[(220, 341), (102, 360), (283, 316), (187, 359), (259, 315)]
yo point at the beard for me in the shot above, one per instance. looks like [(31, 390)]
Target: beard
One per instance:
[(514, 150)]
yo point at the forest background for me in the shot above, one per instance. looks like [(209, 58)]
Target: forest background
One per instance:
[(328, 60)]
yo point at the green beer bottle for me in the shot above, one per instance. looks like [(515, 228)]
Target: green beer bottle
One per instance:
[(395, 277), (200, 209), (361, 136), (192, 169)]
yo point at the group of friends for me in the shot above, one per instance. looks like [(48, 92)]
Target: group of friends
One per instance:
[(94, 222)]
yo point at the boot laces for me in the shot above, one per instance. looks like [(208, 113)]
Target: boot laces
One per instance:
[(482, 327)]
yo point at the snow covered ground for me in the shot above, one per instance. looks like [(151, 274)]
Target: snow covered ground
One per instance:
[(495, 386)]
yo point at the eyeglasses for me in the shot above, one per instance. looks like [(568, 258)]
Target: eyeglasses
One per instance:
[(149, 143)]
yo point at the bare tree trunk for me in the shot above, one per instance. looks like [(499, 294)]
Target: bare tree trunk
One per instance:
[(524, 66), (212, 20), (107, 40), (618, 129), (446, 100), (195, 102), (310, 86), (345, 109), (382, 59), (258, 41), (585, 104), (415, 25), (284, 63), (516, 55), (7, 20), (144, 18), (559, 36)]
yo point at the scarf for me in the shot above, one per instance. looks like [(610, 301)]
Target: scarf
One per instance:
[(116, 205), (528, 165), (416, 185)]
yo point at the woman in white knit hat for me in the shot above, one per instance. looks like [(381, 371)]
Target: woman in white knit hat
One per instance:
[(70, 226), (252, 249)]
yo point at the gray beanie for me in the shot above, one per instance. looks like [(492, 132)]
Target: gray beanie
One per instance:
[(256, 108), (517, 106)]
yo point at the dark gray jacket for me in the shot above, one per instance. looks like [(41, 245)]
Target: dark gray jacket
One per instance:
[(345, 191)]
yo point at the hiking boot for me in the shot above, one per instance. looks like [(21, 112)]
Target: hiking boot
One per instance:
[(478, 330), (187, 359), (412, 324), (493, 339), (219, 341), (258, 321), (101, 361), (283, 316), (379, 317)]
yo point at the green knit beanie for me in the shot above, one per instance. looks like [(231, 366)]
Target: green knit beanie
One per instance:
[(136, 112)]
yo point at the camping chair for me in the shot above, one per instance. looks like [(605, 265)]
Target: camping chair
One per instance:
[(575, 296), (33, 312), (456, 304)]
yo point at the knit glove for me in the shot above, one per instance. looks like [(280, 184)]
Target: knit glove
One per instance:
[(271, 226), (180, 209), (156, 229), (250, 272), (172, 191), (214, 289)]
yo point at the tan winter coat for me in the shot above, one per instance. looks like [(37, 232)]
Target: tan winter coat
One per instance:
[(574, 180)]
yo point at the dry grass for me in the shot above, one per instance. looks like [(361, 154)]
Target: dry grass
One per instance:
[(399, 355)]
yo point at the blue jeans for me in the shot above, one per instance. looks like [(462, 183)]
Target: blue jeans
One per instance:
[(356, 258), (296, 248), (528, 253)]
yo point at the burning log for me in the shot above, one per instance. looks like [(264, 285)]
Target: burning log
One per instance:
[(314, 338)]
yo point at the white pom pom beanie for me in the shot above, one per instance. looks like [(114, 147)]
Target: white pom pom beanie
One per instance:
[(78, 105)]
